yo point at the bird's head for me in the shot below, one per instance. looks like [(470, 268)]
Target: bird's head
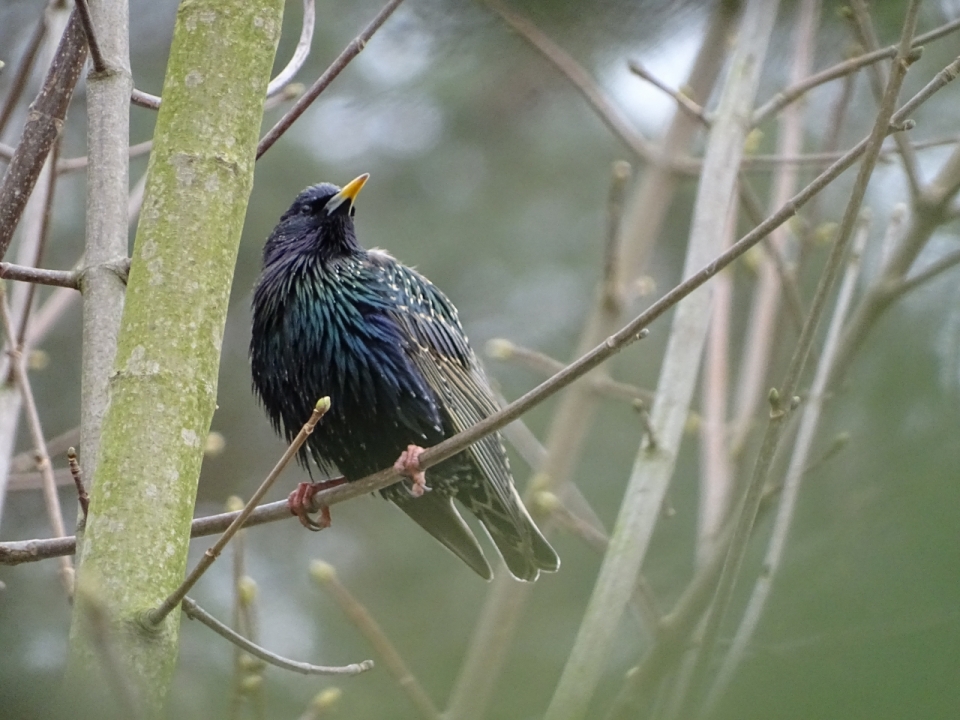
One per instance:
[(320, 219)]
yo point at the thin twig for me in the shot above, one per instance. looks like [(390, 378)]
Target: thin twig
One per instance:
[(77, 476), (22, 74), (279, 84), (69, 165), (613, 295), (790, 94), (46, 221), (193, 611), (144, 99), (57, 278), (300, 53), (928, 273), (581, 80), (154, 617), (50, 496), (55, 446), (774, 277), (96, 57), (685, 103), (866, 32), (336, 67), (42, 128), (930, 210), (326, 576), (13, 553), (502, 349)]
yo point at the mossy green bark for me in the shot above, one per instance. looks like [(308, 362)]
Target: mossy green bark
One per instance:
[(163, 391)]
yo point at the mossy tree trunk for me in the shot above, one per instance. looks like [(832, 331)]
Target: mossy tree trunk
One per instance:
[(164, 386)]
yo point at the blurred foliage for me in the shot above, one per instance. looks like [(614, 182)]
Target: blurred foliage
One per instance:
[(490, 175)]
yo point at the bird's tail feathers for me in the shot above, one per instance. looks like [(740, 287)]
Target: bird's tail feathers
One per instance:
[(521, 544), (436, 514)]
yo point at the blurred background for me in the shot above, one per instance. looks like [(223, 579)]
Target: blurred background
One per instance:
[(490, 175)]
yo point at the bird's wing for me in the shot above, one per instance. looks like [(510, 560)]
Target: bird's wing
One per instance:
[(440, 351)]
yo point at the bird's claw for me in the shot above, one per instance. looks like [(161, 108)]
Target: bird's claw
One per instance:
[(301, 500), (409, 464)]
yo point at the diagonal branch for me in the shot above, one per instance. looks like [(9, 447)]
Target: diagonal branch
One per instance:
[(155, 617), (42, 128), (336, 67)]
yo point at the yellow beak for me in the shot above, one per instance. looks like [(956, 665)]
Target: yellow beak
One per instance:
[(348, 194)]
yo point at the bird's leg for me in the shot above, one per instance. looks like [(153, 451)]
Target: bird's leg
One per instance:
[(409, 464), (301, 499)]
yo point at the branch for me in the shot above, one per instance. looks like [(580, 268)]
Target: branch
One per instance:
[(580, 79), (501, 349), (22, 75), (300, 53), (99, 65), (41, 129), (868, 38), (57, 278), (13, 553), (154, 617), (195, 612), (50, 496), (326, 576), (336, 67), (747, 511), (799, 463), (653, 467), (785, 97), (693, 109)]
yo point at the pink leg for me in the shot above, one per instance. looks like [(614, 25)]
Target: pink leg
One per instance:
[(301, 500), (409, 464)]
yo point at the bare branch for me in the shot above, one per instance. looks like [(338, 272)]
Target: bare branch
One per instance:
[(19, 80), (50, 496), (96, 57), (326, 576), (580, 79), (300, 53), (57, 278), (42, 128), (193, 611), (155, 617), (13, 553), (685, 103), (785, 97), (336, 67)]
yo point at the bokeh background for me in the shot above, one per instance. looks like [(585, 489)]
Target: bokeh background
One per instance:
[(490, 175)]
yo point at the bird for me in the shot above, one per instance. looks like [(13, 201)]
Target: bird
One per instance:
[(331, 318)]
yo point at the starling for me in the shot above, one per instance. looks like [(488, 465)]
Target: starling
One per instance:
[(332, 318)]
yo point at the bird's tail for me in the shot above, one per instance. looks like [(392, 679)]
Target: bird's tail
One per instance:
[(521, 544), (436, 514)]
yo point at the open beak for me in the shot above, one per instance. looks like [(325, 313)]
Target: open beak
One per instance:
[(348, 194)]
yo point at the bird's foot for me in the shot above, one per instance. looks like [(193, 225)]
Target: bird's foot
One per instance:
[(409, 464), (301, 500)]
